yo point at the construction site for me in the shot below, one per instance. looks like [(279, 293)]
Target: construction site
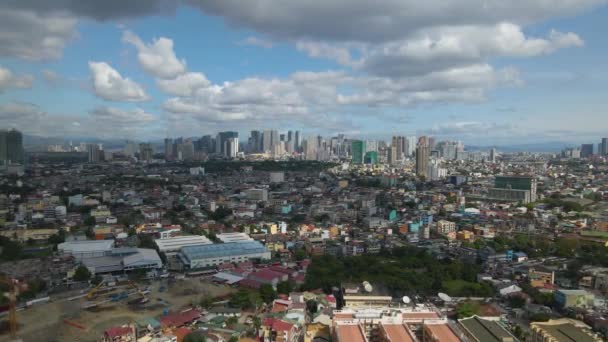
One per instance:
[(84, 315)]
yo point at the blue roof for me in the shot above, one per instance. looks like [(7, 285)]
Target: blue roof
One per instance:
[(222, 250)]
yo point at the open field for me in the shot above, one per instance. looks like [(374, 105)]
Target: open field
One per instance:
[(46, 321)]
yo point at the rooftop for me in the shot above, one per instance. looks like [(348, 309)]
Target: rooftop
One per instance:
[(397, 333), (175, 243), (350, 333), (222, 250), (566, 330), (485, 330), (234, 237), (86, 246), (442, 332)]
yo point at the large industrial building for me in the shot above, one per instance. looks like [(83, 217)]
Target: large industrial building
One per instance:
[(197, 257), (234, 237), (513, 189), (174, 244), (86, 249), (124, 260)]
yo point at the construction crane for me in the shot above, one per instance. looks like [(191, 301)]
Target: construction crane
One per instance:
[(12, 313), (141, 293), (91, 293)]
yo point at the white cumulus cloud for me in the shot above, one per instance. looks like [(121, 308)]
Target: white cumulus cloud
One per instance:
[(158, 57), (110, 85)]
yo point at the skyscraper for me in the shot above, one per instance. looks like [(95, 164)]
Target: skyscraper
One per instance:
[(146, 151), (289, 136), (358, 151), (310, 148), (255, 142), (398, 143), (232, 147), (297, 146), (410, 146), (220, 142), (266, 140), (423, 152), (392, 155), (169, 149), (11, 147), (95, 152), (604, 147), (493, 155), (586, 150)]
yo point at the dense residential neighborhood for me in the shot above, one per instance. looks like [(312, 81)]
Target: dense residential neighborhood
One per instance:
[(513, 248)]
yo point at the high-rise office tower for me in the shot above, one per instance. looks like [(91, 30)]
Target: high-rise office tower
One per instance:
[(274, 139), (282, 137), (95, 152), (221, 139), (423, 151), (358, 151), (169, 149), (146, 151), (397, 145), (11, 147), (604, 147), (130, 149), (289, 136), (310, 148), (493, 155), (255, 142), (297, 146), (586, 150), (392, 155), (232, 147), (410, 146), (267, 140), (207, 144), (185, 150)]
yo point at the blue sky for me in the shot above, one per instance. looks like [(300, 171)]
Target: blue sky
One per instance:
[(507, 73)]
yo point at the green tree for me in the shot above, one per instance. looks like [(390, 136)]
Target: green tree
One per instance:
[(232, 321), (467, 309), (11, 250), (267, 293), (239, 299), (195, 337), (82, 273), (566, 248), (540, 317), (300, 254), (311, 306), (89, 221), (146, 241), (284, 287)]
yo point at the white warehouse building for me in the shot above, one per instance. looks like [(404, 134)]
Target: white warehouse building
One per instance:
[(174, 244), (195, 257), (86, 249)]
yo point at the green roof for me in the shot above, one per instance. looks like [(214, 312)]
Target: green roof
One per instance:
[(485, 330), (567, 332)]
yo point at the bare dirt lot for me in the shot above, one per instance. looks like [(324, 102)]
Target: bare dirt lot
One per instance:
[(46, 322)]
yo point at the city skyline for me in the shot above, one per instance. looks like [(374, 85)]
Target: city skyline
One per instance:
[(158, 69)]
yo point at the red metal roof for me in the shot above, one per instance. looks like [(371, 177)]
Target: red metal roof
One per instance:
[(117, 331), (180, 318)]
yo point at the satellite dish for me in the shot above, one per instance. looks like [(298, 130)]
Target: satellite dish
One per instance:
[(367, 286), (406, 299), (444, 297)]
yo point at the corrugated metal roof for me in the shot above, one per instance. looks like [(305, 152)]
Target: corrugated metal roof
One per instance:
[(222, 250)]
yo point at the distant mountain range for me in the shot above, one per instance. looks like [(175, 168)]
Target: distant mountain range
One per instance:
[(552, 147), (33, 143)]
